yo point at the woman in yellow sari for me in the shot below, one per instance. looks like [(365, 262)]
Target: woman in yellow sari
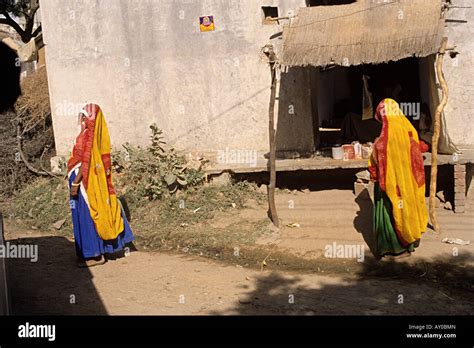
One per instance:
[(396, 167), (100, 225)]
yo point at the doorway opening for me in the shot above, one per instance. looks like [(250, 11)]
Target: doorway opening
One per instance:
[(343, 113)]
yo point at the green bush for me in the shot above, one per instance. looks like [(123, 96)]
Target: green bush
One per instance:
[(155, 171)]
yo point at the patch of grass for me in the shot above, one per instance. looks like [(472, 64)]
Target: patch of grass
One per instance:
[(41, 204), (204, 240), (185, 220)]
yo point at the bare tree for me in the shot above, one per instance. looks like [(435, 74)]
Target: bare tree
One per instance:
[(25, 9)]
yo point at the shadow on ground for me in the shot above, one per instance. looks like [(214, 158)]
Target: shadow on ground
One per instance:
[(441, 287), (51, 285), (444, 287), (363, 222)]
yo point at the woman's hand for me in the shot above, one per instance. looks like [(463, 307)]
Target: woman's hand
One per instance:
[(74, 191), (75, 184)]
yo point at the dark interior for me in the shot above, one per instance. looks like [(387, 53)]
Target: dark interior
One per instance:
[(338, 92)]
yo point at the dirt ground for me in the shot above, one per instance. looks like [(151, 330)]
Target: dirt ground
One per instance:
[(337, 216), (435, 280)]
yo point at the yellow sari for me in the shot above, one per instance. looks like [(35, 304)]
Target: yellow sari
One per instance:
[(104, 206), (397, 167)]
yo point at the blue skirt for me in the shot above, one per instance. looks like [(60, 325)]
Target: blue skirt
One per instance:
[(87, 240)]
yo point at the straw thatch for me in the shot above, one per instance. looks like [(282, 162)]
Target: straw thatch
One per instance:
[(366, 31)]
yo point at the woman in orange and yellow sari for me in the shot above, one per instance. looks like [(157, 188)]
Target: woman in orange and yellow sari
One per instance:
[(396, 167), (100, 225)]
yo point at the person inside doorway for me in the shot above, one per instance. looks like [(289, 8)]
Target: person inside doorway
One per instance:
[(354, 127), (424, 127)]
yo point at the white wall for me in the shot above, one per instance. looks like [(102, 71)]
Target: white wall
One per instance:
[(459, 73), (146, 61)]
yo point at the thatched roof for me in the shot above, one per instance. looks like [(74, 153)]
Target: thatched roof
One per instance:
[(366, 31)]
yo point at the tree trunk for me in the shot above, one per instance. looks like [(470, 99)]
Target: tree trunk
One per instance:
[(436, 131)]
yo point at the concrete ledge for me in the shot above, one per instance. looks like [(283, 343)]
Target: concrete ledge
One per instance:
[(323, 163)]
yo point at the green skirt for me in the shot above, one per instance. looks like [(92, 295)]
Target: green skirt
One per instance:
[(387, 242)]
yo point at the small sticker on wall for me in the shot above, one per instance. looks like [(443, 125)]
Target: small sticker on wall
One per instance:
[(206, 23)]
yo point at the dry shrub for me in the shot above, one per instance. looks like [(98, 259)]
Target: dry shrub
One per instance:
[(33, 104), (32, 116)]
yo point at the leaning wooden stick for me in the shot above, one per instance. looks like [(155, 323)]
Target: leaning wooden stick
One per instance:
[(272, 212), (434, 142), (28, 165)]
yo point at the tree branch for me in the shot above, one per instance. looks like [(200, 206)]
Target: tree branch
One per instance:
[(46, 148), (37, 31), (23, 157), (9, 21), (34, 6), (30, 20), (436, 130)]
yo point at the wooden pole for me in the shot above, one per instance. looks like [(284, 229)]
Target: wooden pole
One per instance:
[(436, 131), (272, 212)]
